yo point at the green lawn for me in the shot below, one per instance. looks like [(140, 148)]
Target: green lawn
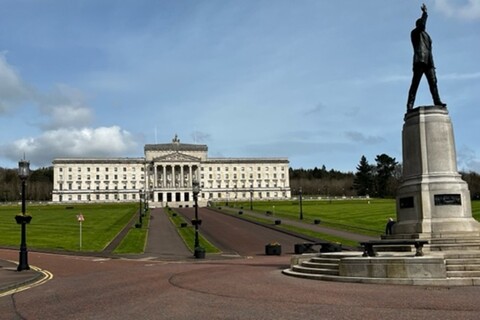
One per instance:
[(187, 233), (135, 240), (56, 227), (360, 216)]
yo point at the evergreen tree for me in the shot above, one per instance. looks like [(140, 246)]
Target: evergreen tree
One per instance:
[(385, 169), (363, 182)]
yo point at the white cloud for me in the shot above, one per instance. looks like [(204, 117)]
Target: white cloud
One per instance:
[(12, 89), (65, 124), (469, 10), (86, 142), (64, 107), (359, 137), (67, 116), (468, 160)]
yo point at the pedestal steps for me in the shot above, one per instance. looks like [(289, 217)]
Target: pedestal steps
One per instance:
[(462, 269), (322, 267), (315, 270), (463, 264), (319, 265), (459, 245)]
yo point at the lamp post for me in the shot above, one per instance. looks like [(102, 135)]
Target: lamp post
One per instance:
[(251, 198), (145, 202), (199, 252), (300, 201), (140, 208), (23, 219)]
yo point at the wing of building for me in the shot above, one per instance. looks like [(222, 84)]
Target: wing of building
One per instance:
[(165, 177)]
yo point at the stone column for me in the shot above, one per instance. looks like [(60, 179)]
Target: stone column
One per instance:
[(164, 178), (432, 201), (155, 175), (190, 176), (181, 177)]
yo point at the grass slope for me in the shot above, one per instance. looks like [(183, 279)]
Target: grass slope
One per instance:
[(56, 227)]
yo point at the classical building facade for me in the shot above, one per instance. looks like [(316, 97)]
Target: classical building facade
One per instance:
[(165, 175)]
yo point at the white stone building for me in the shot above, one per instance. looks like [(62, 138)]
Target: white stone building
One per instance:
[(165, 175)]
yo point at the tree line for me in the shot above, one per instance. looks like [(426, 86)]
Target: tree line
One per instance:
[(380, 179), (38, 187)]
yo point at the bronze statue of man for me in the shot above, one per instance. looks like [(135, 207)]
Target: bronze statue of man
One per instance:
[(423, 62)]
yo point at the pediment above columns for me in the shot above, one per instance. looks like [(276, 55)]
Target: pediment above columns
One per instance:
[(176, 157)]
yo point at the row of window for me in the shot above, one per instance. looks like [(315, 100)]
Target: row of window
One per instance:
[(226, 176), (99, 177), (241, 168), (97, 187), (89, 197), (226, 185), (98, 169)]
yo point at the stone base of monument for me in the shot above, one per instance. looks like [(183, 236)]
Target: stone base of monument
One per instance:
[(453, 269), (433, 203)]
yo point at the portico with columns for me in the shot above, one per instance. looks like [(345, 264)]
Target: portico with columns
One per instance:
[(171, 178)]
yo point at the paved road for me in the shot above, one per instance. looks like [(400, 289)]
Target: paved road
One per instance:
[(96, 288), (235, 236)]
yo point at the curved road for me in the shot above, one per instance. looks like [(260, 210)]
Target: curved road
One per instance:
[(94, 288)]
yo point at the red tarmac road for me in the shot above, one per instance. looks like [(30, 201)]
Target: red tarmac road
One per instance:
[(93, 288), (236, 236)]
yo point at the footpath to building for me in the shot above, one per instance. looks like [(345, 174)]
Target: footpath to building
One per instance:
[(163, 240)]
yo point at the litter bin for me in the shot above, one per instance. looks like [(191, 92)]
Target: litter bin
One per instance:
[(273, 249)]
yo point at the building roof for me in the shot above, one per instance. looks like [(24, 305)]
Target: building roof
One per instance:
[(99, 160), (176, 146)]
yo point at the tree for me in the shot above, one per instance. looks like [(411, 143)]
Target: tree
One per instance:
[(39, 185), (473, 181), (386, 167), (363, 181)]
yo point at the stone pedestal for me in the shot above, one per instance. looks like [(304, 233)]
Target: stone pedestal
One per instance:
[(432, 201)]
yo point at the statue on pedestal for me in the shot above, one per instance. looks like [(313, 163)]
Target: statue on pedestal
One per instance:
[(423, 62)]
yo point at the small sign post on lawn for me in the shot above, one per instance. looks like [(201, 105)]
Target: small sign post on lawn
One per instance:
[(80, 219)]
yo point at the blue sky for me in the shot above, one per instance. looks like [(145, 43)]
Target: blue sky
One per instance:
[(320, 82)]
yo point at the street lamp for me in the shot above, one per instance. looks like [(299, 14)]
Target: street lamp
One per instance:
[(140, 213), (23, 219), (251, 198), (301, 205), (145, 202), (199, 252)]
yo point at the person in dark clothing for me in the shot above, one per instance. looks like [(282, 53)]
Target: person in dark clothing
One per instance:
[(423, 62), (389, 227)]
